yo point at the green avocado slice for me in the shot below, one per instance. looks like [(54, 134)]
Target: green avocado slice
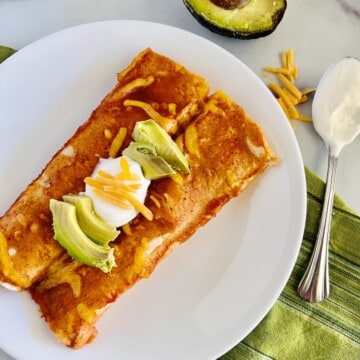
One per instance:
[(70, 236), (97, 229), (149, 132), (153, 166), (249, 20)]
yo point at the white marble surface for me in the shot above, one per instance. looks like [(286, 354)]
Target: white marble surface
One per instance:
[(321, 32)]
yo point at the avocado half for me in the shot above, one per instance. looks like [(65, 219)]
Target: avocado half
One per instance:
[(249, 19)]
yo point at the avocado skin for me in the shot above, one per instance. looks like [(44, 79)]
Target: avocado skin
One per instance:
[(276, 18)]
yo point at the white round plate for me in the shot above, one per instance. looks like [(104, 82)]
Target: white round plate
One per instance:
[(212, 291)]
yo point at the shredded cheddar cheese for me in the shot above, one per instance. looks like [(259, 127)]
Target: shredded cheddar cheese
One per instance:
[(290, 86), (277, 70), (283, 106), (287, 93), (117, 142), (307, 91), (107, 134), (191, 140), (180, 142), (155, 200), (281, 93), (168, 124), (127, 229), (118, 189)]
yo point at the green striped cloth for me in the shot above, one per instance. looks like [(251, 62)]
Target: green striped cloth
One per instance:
[(295, 329)]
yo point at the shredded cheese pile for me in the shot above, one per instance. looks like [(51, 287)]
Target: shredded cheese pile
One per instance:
[(118, 189), (287, 93)]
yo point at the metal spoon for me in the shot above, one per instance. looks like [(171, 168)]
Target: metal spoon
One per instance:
[(336, 117)]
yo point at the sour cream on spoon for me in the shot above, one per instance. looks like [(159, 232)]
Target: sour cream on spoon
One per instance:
[(336, 105)]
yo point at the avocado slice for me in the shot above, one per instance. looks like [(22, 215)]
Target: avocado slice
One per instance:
[(153, 166), (238, 18), (97, 229), (149, 132), (70, 236)]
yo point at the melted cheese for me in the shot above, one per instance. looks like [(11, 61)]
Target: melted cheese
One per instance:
[(7, 266), (258, 151), (140, 258), (154, 243), (86, 313), (131, 86), (64, 275), (191, 140), (68, 151), (168, 124)]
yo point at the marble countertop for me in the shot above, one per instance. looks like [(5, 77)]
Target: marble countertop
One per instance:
[(321, 32)]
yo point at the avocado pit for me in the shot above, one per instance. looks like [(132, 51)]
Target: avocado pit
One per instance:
[(230, 4), (242, 19)]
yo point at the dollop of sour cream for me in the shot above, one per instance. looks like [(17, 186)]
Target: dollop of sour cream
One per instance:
[(113, 214), (336, 105)]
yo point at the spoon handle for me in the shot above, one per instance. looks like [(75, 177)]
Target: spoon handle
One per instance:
[(314, 286)]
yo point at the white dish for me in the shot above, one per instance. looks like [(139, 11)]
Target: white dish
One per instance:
[(213, 290)]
